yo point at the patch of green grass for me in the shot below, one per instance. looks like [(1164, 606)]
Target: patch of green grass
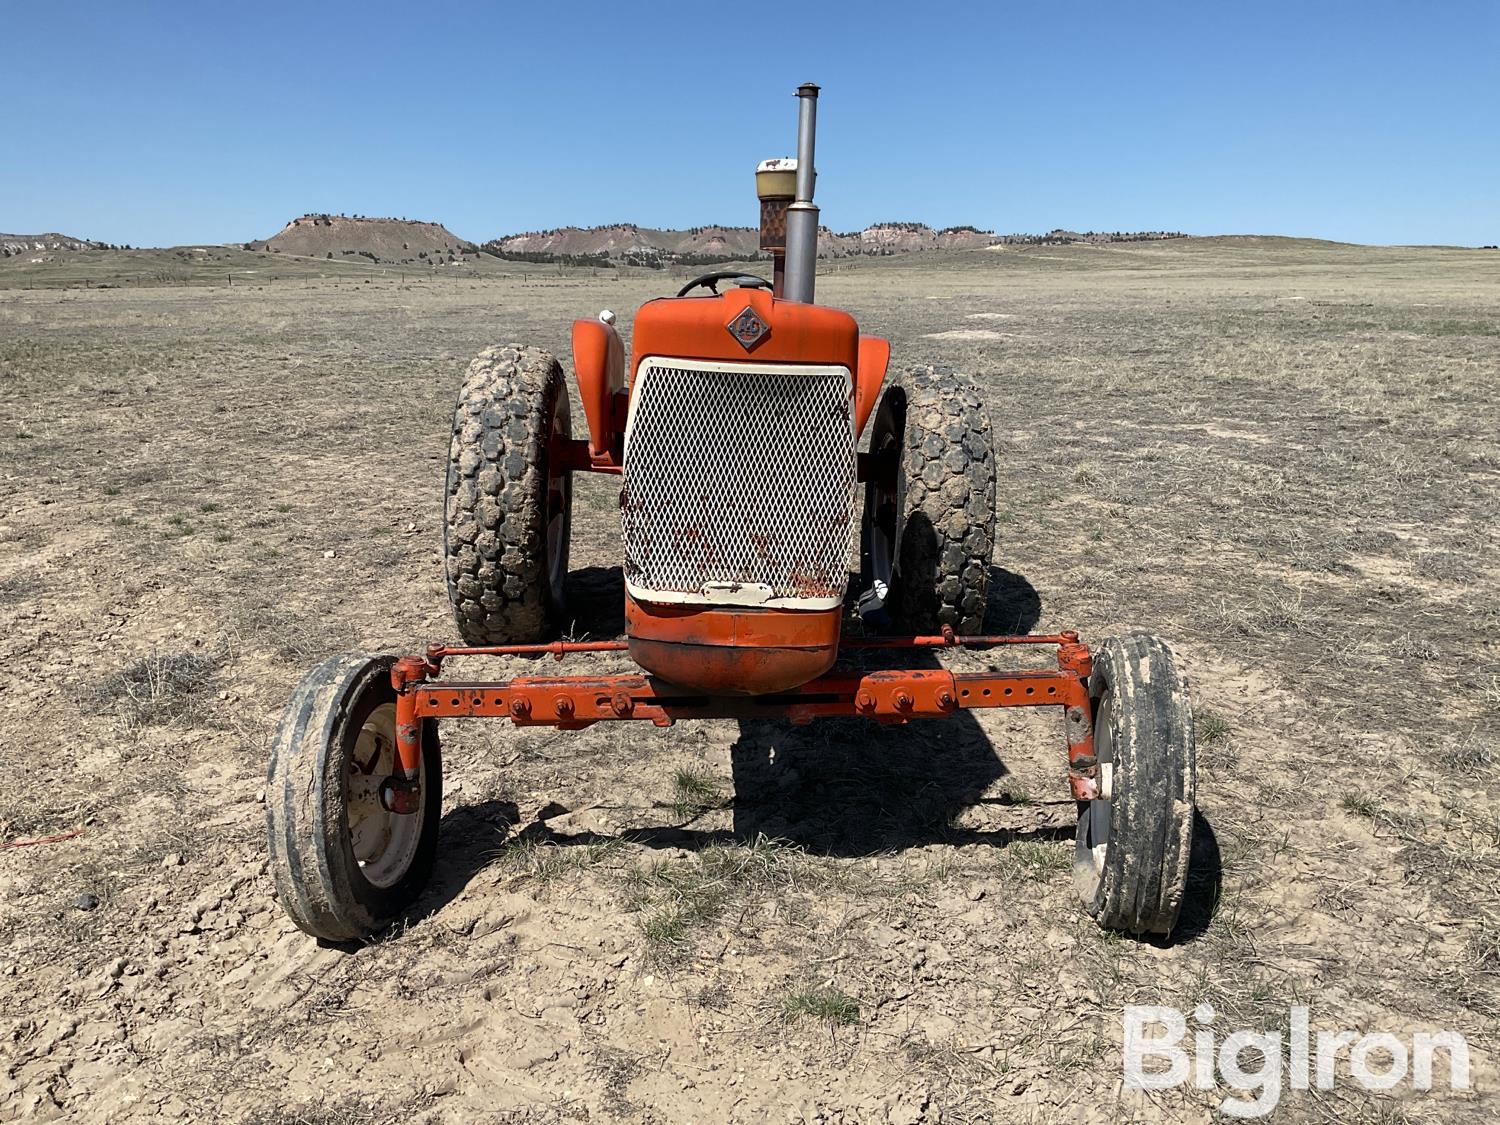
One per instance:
[(667, 928), (546, 862), (1012, 792), (1360, 805), (675, 899), (209, 506), (223, 537), (1405, 825), (1469, 756), (693, 793), (826, 1003), (1033, 861), (1211, 728), (282, 507), (111, 490)]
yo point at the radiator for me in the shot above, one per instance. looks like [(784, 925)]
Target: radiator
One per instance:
[(739, 484)]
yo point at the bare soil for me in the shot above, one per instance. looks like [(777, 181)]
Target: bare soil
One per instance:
[(1281, 456)]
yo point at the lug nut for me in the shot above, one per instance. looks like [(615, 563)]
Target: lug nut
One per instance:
[(903, 701), (622, 704), (520, 707), (564, 705), (864, 700), (945, 701)]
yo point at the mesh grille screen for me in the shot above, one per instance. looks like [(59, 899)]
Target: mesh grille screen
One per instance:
[(740, 476)]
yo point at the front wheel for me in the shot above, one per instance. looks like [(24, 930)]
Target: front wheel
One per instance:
[(928, 530), (1130, 862), (343, 864), (508, 504)]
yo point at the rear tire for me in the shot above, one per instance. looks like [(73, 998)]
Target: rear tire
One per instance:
[(508, 508), (928, 532), (1130, 862), (343, 866)]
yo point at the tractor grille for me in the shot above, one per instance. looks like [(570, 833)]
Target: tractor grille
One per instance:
[(739, 475)]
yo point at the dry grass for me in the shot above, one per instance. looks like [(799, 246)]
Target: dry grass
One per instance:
[(161, 688)]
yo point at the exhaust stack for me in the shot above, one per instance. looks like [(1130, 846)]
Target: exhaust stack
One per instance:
[(802, 215)]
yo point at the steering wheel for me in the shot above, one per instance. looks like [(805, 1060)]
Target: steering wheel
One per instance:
[(710, 281)]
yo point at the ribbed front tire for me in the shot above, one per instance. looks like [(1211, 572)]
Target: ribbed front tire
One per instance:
[(1134, 841), (342, 865)]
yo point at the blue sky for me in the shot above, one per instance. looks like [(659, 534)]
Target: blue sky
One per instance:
[(165, 123)]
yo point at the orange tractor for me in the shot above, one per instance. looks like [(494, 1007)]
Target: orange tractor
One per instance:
[(735, 429)]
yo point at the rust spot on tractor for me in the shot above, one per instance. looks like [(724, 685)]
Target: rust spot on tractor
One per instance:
[(1084, 788), (807, 584)]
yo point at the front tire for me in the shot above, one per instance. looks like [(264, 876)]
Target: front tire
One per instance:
[(508, 506), (928, 531), (343, 866), (1130, 862)]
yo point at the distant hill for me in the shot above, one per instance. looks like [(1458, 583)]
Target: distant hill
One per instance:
[(11, 244), (379, 240), (1064, 237), (635, 245)]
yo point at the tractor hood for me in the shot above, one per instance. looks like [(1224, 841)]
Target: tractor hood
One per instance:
[(745, 325)]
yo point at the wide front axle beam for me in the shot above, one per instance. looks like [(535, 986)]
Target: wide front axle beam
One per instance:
[(887, 696)]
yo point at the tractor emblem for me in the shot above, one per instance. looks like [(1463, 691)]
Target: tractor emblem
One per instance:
[(748, 328)]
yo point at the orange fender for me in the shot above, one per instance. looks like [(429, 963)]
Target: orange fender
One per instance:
[(599, 367), (874, 358)]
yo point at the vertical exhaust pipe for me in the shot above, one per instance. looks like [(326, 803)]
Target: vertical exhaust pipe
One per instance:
[(802, 215)]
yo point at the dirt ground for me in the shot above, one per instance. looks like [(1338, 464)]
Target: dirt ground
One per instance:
[(1281, 456)]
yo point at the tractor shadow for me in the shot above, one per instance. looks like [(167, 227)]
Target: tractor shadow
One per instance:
[(850, 787), (1205, 883), (596, 602)]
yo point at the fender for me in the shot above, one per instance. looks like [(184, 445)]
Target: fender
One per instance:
[(874, 358), (599, 368)]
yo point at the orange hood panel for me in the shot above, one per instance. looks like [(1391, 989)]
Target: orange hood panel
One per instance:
[(698, 328)]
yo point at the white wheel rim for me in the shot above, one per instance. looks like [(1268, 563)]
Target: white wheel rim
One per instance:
[(384, 843), (882, 538), (558, 507), (1094, 837)]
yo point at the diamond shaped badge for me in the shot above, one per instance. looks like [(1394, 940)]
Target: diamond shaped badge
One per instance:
[(748, 328)]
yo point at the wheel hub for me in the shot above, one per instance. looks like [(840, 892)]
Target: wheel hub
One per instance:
[(384, 812)]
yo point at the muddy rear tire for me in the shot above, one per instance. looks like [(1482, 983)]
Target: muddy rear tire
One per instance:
[(1130, 862), (928, 531), (342, 865), (508, 508)]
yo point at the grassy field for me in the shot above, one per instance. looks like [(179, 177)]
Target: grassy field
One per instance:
[(1280, 455)]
